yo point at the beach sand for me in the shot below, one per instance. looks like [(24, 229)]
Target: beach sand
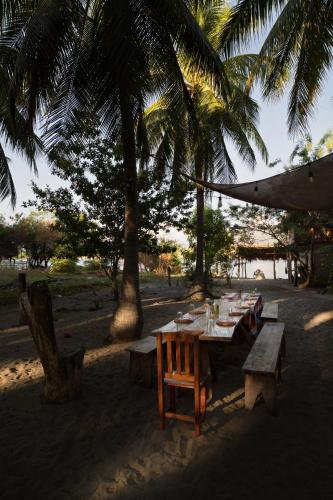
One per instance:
[(107, 444)]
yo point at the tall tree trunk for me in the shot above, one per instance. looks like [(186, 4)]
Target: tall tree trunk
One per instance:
[(198, 287), (289, 271), (127, 321)]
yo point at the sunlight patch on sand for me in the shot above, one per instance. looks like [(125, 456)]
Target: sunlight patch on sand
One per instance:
[(318, 319), (230, 403), (279, 301)]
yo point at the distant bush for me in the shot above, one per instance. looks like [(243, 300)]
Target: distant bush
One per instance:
[(92, 265), (63, 266)]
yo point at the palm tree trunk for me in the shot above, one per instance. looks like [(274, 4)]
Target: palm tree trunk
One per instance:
[(198, 287), (127, 321)]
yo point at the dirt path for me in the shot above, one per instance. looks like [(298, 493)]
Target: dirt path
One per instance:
[(108, 444)]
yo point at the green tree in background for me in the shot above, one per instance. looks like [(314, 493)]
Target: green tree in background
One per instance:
[(305, 151), (34, 234), (90, 213), (218, 239), (218, 122)]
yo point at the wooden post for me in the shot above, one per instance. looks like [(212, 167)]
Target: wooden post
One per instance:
[(62, 370), (22, 286), (274, 265), (290, 277), (295, 273), (169, 275)]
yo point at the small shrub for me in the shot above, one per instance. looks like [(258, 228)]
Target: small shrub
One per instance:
[(92, 265), (63, 266)]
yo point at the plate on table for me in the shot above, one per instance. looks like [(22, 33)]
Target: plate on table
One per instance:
[(198, 311), (235, 313), (225, 324), (184, 321)]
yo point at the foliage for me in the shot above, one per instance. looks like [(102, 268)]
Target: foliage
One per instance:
[(218, 117), (250, 221), (59, 284), (298, 47), (90, 213), (62, 265), (305, 151), (34, 233), (109, 58), (221, 118), (15, 132), (165, 254), (92, 265), (217, 235)]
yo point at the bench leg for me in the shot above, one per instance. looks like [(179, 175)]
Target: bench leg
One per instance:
[(260, 384), (146, 369), (269, 394), (283, 347), (134, 367), (253, 387)]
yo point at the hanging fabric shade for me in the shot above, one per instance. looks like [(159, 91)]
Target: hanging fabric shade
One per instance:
[(309, 187)]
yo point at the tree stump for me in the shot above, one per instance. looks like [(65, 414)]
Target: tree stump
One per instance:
[(62, 370)]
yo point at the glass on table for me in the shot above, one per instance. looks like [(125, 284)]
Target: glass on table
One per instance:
[(179, 318), (191, 308), (210, 326)]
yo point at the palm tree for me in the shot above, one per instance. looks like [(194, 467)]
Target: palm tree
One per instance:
[(18, 136), (110, 56), (299, 46), (216, 121)]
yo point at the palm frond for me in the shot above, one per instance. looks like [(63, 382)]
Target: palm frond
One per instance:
[(7, 188)]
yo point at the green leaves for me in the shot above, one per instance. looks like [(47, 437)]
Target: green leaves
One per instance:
[(90, 213), (297, 49)]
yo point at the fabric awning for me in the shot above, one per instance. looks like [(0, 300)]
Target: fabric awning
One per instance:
[(309, 187)]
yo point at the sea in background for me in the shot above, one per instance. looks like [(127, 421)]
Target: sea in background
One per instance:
[(266, 266)]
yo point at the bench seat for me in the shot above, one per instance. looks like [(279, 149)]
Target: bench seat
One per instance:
[(142, 355), (262, 367), (270, 312)]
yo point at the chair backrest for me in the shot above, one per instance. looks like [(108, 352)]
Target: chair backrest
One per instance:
[(183, 355)]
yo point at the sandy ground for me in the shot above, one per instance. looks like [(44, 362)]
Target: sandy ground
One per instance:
[(108, 443)]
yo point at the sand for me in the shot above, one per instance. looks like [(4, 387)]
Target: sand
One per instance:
[(108, 443)]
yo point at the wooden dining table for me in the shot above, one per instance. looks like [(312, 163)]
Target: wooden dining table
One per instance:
[(241, 312), (231, 308)]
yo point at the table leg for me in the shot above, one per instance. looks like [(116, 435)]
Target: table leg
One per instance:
[(206, 368)]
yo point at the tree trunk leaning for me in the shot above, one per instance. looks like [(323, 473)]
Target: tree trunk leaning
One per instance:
[(62, 370), (127, 321)]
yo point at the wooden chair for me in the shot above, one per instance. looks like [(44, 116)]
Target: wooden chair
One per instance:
[(182, 370)]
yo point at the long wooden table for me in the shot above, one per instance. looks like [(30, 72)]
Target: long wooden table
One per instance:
[(218, 334), (248, 304)]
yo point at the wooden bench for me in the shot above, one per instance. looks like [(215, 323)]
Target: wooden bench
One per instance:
[(270, 312), (262, 367), (142, 354)]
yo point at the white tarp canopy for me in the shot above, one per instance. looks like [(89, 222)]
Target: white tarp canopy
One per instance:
[(309, 187)]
